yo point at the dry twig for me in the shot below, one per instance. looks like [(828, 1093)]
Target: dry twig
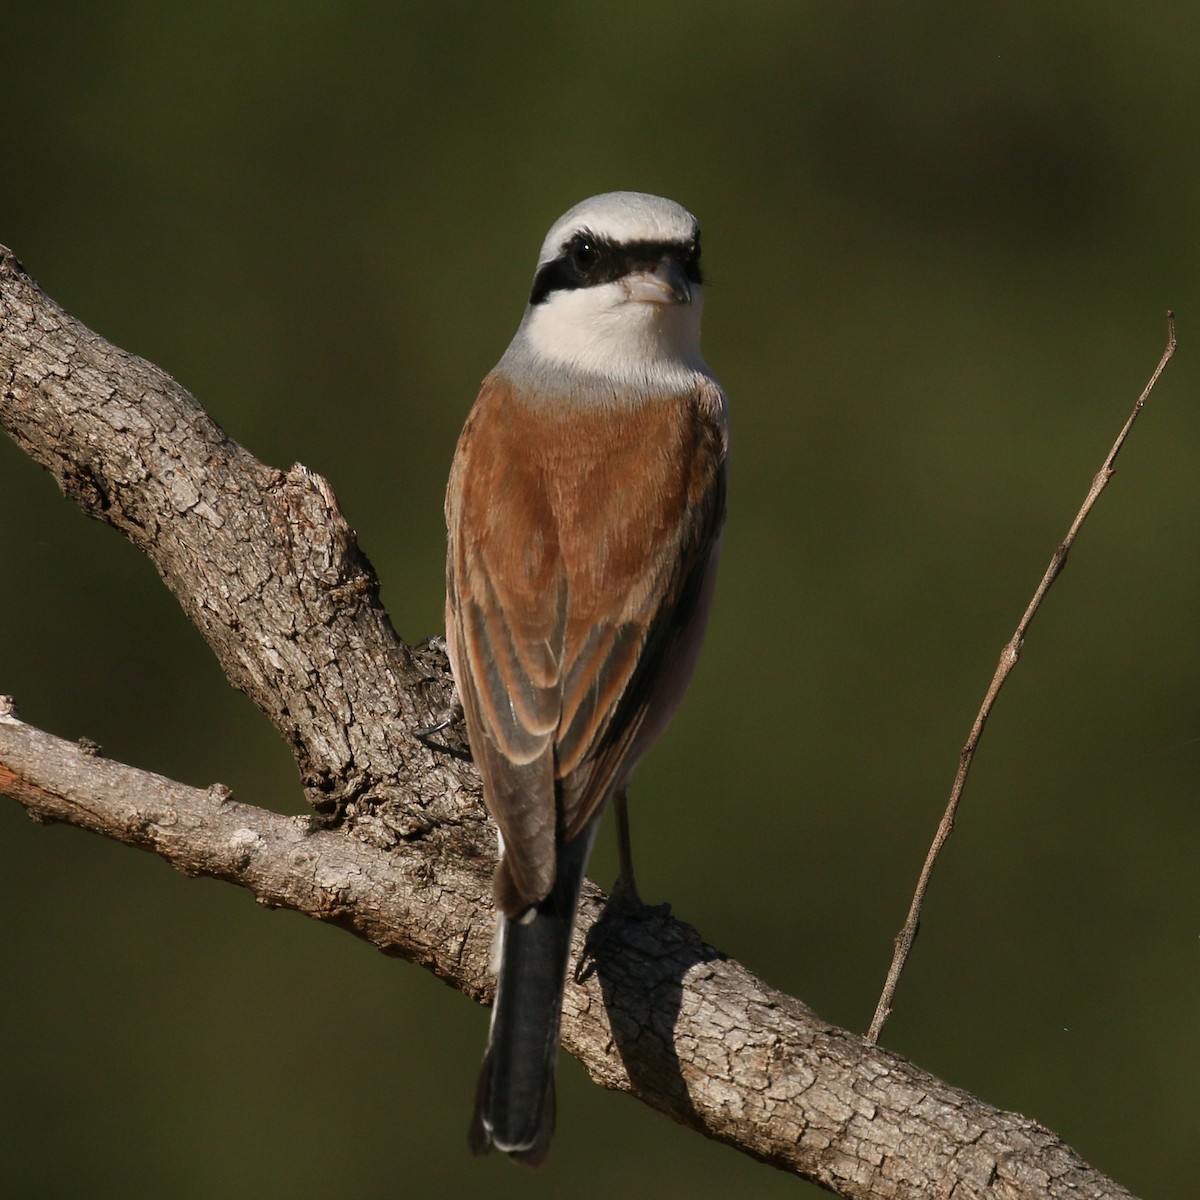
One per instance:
[(1008, 660)]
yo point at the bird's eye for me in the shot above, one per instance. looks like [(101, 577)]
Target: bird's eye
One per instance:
[(583, 252)]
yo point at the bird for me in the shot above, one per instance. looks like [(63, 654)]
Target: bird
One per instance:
[(584, 514)]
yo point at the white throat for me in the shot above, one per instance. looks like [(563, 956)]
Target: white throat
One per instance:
[(601, 332)]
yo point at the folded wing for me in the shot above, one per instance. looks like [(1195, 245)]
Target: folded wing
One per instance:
[(580, 546)]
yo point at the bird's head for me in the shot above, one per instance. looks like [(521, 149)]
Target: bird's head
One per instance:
[(618, 291)]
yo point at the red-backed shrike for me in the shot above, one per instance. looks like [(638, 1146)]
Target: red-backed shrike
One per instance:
[(584, 509)]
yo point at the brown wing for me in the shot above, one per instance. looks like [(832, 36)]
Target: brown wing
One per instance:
[(579, 540), (505, 620), (621, 659)]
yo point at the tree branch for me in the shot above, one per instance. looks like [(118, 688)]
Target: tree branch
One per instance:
[(267, 568)]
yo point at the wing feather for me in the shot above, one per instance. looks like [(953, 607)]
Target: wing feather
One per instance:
[(625, 691), (580, 537)]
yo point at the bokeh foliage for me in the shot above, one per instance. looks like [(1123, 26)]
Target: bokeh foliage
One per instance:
[(941, 241)]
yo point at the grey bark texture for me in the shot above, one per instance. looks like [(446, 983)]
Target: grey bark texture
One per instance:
[(266, 566)]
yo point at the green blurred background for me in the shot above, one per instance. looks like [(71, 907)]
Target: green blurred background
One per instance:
[(941, 240)]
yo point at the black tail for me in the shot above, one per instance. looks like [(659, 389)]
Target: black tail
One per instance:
[(514, 1102)]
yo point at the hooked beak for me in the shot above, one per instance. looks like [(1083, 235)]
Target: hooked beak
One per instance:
[(666, 284)]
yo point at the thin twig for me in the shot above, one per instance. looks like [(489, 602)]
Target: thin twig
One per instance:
[(1008, 660)]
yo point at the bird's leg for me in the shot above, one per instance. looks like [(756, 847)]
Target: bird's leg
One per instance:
[(624, 901), (625, 897), (625, 887)]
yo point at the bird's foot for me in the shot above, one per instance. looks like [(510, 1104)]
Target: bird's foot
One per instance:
[(625, 902), (624, 905)]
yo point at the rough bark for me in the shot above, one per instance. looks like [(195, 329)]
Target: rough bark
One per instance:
[(265, 565)]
